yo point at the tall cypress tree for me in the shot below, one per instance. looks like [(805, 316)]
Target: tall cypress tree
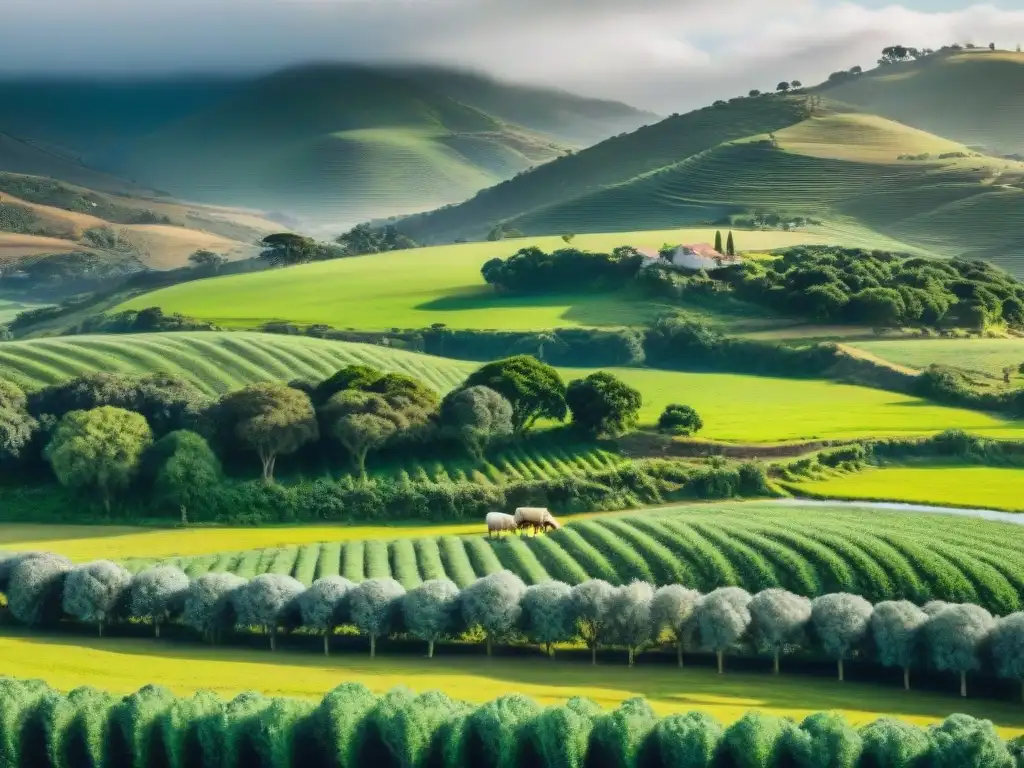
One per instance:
[(718, 241), (730, 246)]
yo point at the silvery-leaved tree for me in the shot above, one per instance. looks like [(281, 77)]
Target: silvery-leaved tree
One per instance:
[(587, 601), (672, 611), (954, 637), (375, 608), (431, 611), (897, 626), (628, 616), (1008, 648), (323, 606), (547, 614), (265, 601), (841, 622), (494, 604), (157, 594), (778, 618), (94, 592), (723, 617)]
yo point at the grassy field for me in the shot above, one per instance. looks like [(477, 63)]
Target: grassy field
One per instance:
[(734, 407), (984, 355), (124, 666), (10, 306), (757, 545), (415, 288), (967, 486)]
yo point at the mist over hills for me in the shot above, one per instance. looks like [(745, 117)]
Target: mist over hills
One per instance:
[(331, 143)]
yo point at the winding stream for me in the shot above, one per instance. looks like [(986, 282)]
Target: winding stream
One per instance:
[(892, 506)]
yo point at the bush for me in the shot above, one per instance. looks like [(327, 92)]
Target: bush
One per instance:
[(680, 420)]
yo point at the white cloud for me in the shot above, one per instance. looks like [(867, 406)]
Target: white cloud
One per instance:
[(663, 54)]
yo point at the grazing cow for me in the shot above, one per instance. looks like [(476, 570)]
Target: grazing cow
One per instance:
[(537, 518), (498, 522)]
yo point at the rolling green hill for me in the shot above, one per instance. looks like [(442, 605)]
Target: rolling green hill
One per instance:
[(611, 162), (746, 409), (973, 96)]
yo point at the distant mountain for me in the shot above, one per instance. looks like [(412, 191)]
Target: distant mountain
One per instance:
[(20, 156), (334, 144), (803, 159), (973, 96)]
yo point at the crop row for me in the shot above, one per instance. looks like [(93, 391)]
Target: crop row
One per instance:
[(351, 727), (878, 556)]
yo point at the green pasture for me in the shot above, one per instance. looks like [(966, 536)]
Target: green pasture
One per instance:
[(988, 356), (734, 407), (419, 287), (810, 551), (964, 486)]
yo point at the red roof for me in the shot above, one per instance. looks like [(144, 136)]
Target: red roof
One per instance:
[(705, 250)]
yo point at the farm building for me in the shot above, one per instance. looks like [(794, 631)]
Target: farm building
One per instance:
[(696, 256)]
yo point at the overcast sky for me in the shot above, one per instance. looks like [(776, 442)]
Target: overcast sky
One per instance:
[(665, 55)]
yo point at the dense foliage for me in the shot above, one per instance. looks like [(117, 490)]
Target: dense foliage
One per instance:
[(353, 727), (634, 616), (531, 270), (823, 283)]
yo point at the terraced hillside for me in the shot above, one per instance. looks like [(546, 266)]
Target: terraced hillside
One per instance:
[(987, 356), (613, 161), (217, 362), (975, 97), (809, 551), (849, 171), (734, 407)]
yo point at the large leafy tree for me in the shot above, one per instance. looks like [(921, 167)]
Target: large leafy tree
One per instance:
[(603, 404), (286, 248), (476, 417), (362, 422), (100, 448), (190, 469), (534, 389), (271, 419)]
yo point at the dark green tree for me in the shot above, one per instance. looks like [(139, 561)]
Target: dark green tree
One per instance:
[(602, 404), (362, 422), (204, 259), (269, 418), (718, 241), (534, 389), (189, 471), (730, 246), (680, 420), (285, 249)]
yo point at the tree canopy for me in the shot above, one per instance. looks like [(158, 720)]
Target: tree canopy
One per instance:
[(534, 389)]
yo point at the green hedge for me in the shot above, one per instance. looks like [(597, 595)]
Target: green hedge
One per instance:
[(352, 728)]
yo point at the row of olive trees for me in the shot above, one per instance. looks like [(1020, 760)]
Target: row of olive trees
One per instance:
[(951, 637)]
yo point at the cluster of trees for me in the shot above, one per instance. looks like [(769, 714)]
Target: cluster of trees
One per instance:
[(880, 288), (364, 239), (960, 638), (97, 431), (352, 727), (531, 270), (148, 320), (286, 249)]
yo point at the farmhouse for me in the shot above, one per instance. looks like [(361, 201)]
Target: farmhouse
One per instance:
[(696, 256)]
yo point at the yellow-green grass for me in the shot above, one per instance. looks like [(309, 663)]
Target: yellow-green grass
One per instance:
[(10, 307), (761, 409), (217, 362), (124, 666), (415, 288), (93, 542), (964, 486), (984, 355)]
